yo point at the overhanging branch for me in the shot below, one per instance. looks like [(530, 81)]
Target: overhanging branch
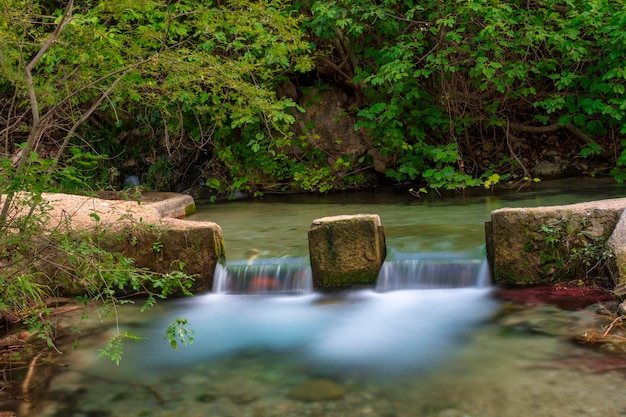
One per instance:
[(554, 127)]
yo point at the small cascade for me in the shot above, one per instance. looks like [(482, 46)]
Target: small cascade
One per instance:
[(264, 276), (436, 270)]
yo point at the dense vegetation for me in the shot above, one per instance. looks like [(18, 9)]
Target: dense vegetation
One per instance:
[(453, 94), (450, 94)]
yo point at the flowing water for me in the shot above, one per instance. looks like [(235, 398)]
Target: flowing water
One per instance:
[(442, 345)]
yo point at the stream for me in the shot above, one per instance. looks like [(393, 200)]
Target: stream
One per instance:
[(403, 352)]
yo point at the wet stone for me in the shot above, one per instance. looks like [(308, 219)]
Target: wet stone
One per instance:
[(546, 320), (317, 390)]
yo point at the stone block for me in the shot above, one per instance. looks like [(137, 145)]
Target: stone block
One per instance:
[(148, 231), (543, 245), (198, 246), (346, 250)]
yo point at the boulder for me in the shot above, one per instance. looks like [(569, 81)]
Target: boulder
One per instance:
[(543, 245), (328, 125), (346, 250)]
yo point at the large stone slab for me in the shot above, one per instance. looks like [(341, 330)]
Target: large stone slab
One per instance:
[(169, 245), (346, 250), (543, 245), (148, 231)]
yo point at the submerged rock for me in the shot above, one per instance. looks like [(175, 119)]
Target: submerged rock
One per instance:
[(317, 390)]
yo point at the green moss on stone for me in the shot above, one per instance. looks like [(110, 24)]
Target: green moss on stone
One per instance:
[(190, 209), (348, 280)]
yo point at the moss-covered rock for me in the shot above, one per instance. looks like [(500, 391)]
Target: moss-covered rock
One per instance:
[(543, 245), (346, 250), (193, 247)]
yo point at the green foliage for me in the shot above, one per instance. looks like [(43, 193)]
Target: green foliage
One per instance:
[(82, 171), (178, 332), (443, 88), (442, 74), (183, 74), (114, 348), (160, 176), (40, 259), (572, 251)]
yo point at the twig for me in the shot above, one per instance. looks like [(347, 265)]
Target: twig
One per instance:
[(613, 323), (30, 374)]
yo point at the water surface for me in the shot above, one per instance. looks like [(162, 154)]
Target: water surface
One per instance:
[(399, 353), (278, 225)]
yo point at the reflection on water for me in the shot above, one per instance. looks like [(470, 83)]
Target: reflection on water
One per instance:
[(278, 225)]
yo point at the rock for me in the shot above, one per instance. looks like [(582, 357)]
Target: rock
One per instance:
[(131, 181), (328, 125), (206, 398), (535, 245), (196, 245), (149, 231), (547, 169), (346, 250), (617, 245), (317, 390), (450, 412), (243, 397)]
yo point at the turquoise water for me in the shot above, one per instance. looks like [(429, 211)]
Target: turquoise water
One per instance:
[(404, 353)]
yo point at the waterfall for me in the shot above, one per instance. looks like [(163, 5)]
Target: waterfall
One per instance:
[(281, 276), (435, 270)]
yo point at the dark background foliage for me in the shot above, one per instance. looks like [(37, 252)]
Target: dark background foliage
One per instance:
[(202, 95)]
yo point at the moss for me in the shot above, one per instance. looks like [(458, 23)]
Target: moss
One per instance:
[(190, 209), (220, 248), (350, 279)]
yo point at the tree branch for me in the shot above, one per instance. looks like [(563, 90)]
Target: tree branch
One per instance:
[(85, 116), (583, 136), (554, 127), (65, 20), (35, 131)]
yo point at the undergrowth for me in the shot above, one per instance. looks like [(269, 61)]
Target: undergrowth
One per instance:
[(43, 258)]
